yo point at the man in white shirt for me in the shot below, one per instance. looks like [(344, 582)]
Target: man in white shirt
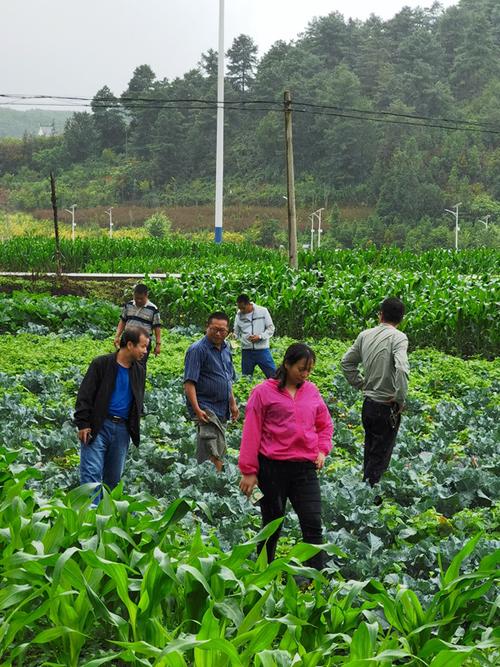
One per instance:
[(254, 327)]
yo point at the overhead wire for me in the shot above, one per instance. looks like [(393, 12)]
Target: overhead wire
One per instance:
[(130, 103)]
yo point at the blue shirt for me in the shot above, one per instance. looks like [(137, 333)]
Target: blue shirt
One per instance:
[(212, 371), (121, 398)]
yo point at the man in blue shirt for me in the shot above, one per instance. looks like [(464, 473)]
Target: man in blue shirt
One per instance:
[(108, 409), (208, 384)]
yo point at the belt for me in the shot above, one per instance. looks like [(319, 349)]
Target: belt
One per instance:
[(117, 420)]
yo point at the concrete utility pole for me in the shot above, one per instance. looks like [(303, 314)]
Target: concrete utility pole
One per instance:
[(454, 213), (110, 213), (219, 162), (290, 182), (73, 223), (311, 246)]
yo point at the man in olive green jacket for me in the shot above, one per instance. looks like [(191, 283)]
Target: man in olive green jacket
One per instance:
[(382, 351)]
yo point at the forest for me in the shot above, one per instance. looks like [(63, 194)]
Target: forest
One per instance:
[(400, 116)]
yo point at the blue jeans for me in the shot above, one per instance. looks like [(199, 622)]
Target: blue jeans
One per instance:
[(261, 358), (103, 459)]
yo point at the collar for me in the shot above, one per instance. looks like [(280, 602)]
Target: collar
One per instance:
[(144, 306), (209, 343)]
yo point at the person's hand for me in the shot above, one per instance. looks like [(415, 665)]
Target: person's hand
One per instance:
[(247, 484), (116, 342), (157, 349), (254, 338), (320, 461), (84, 435), (202, 416), (235, 411)]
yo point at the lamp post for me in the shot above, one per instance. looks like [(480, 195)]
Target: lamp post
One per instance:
[(311, 218), (110, 213), (73, 223), (454, 213), (316, 214), (486, 221)]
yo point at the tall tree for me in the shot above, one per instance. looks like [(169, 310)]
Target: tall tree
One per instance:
[(209, 63), (108, 120), (242, 62), (80, 137)]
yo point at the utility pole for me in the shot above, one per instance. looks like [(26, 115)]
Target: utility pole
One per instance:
[(290, 182), (56, 223), (454, 213), (311, 218), (73, 223), (219, 161), (110, 213)]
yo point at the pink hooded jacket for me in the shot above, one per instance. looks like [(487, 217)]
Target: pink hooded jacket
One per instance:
[(284, 428)]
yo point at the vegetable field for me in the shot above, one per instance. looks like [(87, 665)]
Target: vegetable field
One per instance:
[(164, 572), (452, 298)]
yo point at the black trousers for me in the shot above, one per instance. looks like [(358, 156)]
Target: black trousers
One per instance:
[(381, 428), (298, 482)]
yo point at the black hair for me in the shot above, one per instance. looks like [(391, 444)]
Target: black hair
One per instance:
[(392, 309), (140, 288), (218, 315), (294, 353), (132, 335), (243, 299)]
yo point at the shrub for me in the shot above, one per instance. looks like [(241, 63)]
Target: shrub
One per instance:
[(158, 225)]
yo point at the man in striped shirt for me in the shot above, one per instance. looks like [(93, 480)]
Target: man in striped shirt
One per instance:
[(141, 312)]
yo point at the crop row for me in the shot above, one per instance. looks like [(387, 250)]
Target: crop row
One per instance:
[(164, 574), (177, 253), (451, 312)]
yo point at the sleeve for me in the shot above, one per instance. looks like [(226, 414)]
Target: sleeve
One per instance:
[(269, 326), (350, 362), (400, 353), (123, 315), (324, 427), (192, 364), (248, 460), (86, 396), (236, 327), (156, 319)]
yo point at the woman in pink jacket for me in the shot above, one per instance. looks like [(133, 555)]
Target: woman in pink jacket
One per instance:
[(286, 435)]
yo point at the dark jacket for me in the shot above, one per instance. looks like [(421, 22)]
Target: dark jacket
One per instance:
[(95, 393)]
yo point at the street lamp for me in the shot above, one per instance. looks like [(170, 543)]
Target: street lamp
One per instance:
[(486, 221), (73, 223), (454, 213), (316, 214), (110, 213)]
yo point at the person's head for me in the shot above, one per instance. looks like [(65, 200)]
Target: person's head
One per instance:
[(392, 311), (297, 364), (135, 341), (217, 327), (244, 304), (140, 295)]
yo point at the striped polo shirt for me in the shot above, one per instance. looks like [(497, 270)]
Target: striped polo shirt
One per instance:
[(147, 316)]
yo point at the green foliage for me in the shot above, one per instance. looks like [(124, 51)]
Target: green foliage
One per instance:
[(437, 63), (158, 225), (163, 574), (450, 297)]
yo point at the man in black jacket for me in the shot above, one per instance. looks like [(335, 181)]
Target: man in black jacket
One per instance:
[(108, 409)]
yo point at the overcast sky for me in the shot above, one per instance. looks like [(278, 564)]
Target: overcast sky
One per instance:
[(74, 47)]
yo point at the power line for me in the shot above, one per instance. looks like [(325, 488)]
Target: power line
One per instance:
[(151, 101), (239, 105)]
